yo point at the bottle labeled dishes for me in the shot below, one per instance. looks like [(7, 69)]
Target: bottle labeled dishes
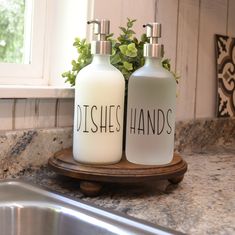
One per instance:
[(99, 105)]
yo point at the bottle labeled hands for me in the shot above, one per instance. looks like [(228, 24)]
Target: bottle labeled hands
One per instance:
[(99, 105), (151, 107)]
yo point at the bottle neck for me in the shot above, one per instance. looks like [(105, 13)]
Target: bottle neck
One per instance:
[(101, 59), (152, 61)]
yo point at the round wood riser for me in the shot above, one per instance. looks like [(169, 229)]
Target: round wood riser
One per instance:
[(92, 176)]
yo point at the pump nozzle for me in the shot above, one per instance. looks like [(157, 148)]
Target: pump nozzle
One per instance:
[(153, 31), (101, 29), (153, 49)]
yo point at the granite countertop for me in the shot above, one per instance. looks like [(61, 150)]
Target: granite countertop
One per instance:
[(203, 203)]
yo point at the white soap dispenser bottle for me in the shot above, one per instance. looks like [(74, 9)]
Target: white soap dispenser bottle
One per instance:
[(151, 107), (99, 105)]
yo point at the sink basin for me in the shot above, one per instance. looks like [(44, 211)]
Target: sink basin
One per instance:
[(26, 209)]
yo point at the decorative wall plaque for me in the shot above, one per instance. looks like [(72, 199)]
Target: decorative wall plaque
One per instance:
[(225, 63)]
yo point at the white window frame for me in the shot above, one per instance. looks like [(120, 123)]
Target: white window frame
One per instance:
[(52, 50), (31, 73)]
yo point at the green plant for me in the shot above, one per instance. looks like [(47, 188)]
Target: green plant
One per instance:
[(127, 54)]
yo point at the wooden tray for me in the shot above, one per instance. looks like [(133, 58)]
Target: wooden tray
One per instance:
[(93, 176)]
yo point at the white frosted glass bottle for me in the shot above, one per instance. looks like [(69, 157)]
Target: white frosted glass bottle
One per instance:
[(151, 108), (99, 105)]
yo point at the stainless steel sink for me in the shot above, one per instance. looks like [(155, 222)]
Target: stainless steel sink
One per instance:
[(28, 210)]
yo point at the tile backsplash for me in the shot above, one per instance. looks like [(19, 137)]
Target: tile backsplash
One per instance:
[(35, 113)]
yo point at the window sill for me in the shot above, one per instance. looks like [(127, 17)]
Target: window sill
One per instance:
[(15, 91)]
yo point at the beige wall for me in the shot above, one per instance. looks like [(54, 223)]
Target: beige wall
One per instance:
[(188, 28), (188, 35)]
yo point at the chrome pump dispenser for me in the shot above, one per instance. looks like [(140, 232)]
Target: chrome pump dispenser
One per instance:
[(151, 107), (101, 45), (99, 105), (153, 49)]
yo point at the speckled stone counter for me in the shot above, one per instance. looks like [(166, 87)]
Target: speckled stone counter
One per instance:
[(203, 203), (23, 149)]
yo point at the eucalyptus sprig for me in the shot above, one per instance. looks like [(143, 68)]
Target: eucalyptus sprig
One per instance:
[(84, 58), (127, 54)]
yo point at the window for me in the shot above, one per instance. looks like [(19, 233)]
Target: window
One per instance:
[(22, 41), (36, 38), (12, 30)]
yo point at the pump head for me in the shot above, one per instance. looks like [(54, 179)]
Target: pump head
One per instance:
[(101, 29), (153, 49)]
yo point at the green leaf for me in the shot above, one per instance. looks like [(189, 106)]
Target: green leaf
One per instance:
[(110, 35), (77, 42), (65, 74), (115, 59), (113, 51), (144, 38), (135, 40), (129, 24), (131, 47), (83, 41), (166, 64), (124, 71), (123, 29), (131, 50), (131, 32), (74, 63), (128, 66), (123, 49)]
